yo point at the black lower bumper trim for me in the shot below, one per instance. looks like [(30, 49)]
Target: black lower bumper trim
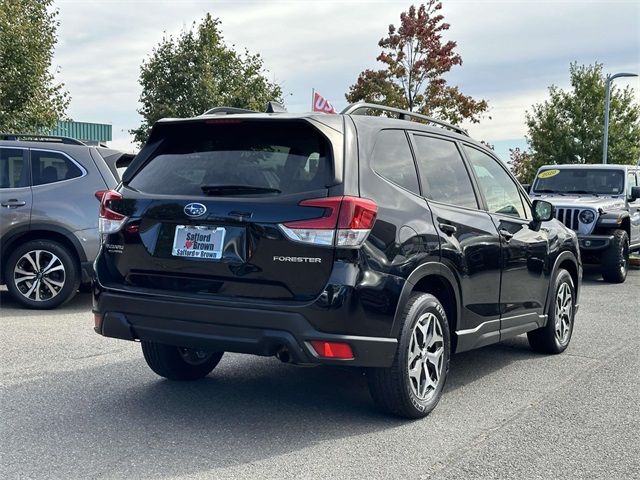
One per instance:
[(241, 330)]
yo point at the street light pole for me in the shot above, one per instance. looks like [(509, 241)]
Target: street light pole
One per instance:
[(607, 98)]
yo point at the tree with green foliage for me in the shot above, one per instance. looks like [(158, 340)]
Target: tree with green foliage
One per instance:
[(522, 165), (30, 100), (189, 74), (568, 126), (416, 58)]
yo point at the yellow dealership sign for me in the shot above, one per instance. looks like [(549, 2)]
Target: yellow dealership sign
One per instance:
[(548, 173)]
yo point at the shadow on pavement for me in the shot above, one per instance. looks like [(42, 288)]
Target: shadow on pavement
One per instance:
[(81, 302), (248, 409)]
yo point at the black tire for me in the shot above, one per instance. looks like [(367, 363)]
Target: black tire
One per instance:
[(23, 288), (177, 363), (554, 337), (392, 389), (615, 260)]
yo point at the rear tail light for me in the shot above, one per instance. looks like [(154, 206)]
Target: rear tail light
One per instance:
[(99, 194), (346, 222), (337, 350), (109, 221)]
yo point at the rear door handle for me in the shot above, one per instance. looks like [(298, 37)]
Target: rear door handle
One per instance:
[(507, 235), (13, 203), (447, 228)]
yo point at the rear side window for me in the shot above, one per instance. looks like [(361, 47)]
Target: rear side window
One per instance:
[(13, 168), (283, 157), (392, 159), (442, 172), (51, 167)]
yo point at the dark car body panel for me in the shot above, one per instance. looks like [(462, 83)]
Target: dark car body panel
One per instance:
[(498, 289)]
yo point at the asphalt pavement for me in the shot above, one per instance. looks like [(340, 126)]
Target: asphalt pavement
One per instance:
[(76, 405)]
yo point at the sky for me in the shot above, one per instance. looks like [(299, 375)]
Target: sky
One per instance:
[(512, 51)]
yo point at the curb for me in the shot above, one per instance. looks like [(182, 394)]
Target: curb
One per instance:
[(635, 261)]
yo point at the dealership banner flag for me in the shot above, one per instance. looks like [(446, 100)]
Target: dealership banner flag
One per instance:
[(321, 104)]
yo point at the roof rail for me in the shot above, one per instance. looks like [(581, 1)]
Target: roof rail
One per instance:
[(40, 138), (354, 108)]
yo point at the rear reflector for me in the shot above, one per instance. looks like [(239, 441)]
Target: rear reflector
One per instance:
[(344, 222), (332, 350), (97, 322)]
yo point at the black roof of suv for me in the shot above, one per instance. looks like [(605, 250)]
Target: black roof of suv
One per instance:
[(329, 239)]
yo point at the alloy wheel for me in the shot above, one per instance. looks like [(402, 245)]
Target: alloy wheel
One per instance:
[(426, 356), (564, 313), (39, 275)]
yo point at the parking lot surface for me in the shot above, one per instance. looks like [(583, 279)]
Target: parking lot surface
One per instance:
[(76, 405)]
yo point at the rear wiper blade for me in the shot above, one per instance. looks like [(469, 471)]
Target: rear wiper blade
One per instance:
[(236, 189)]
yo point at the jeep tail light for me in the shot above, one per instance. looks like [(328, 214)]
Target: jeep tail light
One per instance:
[(109, 221), (344, 222), (337, 350)]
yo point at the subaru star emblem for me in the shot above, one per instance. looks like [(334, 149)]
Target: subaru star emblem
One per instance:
[(195, 209)]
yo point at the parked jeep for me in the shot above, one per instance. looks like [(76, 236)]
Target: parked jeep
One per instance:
[(602, 204)]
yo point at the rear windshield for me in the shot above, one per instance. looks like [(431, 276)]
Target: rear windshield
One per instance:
[(580, 181), (273, 157)]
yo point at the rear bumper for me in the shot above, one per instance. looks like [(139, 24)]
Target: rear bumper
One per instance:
[(594, 243), (238, 328)]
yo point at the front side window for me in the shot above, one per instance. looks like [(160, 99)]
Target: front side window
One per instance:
[(13, 171), (392, 160), (528, 214), (51, 167), (499, 189), (442, 172)]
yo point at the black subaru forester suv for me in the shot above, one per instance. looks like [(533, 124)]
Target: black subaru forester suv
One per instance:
[(351, 239)]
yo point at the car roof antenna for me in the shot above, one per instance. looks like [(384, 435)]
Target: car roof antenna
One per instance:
[(275, 107)]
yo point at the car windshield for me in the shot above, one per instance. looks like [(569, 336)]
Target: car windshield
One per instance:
[(580, 181)]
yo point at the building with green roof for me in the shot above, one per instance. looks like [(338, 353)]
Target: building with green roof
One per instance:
[(89, 133)]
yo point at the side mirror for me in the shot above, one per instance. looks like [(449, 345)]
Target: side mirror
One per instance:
[(542, 211), (635, 194), (527, 187)]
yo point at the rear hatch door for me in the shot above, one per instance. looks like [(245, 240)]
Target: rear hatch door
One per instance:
[(204, 208)]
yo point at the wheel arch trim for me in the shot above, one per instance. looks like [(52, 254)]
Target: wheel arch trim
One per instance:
[(10, 238), (564, 256), (435, 269)]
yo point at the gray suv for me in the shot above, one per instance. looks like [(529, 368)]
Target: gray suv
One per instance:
[(48, 214), (601, 203)]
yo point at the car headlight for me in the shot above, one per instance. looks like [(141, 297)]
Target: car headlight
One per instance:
[(587, 216)]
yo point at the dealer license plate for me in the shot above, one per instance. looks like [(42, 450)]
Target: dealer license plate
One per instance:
[(202, 242)]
